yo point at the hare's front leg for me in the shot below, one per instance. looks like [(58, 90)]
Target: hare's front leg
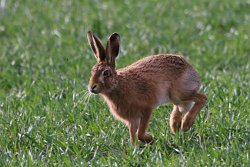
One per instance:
[(175, 119), (189, 117), (142, 134), (133, 125)]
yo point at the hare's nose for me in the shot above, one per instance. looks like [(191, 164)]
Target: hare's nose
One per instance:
[(93, 88)]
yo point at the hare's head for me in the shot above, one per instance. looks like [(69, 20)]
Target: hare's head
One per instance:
[(103, 73)]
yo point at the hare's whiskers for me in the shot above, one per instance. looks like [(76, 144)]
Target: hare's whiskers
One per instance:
[(85, 98)]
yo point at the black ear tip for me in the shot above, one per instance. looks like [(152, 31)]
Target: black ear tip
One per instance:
[(115, 35), (89, 33)]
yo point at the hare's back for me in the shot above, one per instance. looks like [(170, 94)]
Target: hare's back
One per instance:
[(163, 64)]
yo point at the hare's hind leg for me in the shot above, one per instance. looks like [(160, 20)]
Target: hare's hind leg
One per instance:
[(189, 118), (175, 119), (142, 134)]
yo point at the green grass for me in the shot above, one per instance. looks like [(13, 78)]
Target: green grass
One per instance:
[(45, 61)]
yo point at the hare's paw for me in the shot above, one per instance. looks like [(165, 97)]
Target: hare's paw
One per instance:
[(175, 123), (146, 138), (187, 121)]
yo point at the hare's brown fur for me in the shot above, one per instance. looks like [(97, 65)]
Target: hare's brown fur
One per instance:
[(134, 91)]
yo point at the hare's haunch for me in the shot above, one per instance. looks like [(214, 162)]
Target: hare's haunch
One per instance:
[(134, 91)]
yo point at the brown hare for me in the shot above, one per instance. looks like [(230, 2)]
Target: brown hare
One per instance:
[(134, 91)]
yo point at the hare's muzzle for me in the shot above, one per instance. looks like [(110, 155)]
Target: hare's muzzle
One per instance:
[(93, 88)]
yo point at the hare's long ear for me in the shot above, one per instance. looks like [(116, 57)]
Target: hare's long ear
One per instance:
[(96, 46), (112, 49)]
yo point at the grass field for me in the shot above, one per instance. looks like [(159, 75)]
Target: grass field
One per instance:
[(48, 119)]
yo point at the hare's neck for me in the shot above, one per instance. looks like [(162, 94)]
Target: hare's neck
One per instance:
[(117, 97)]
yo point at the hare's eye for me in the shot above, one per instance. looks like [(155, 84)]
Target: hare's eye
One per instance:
[(106, 73)]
